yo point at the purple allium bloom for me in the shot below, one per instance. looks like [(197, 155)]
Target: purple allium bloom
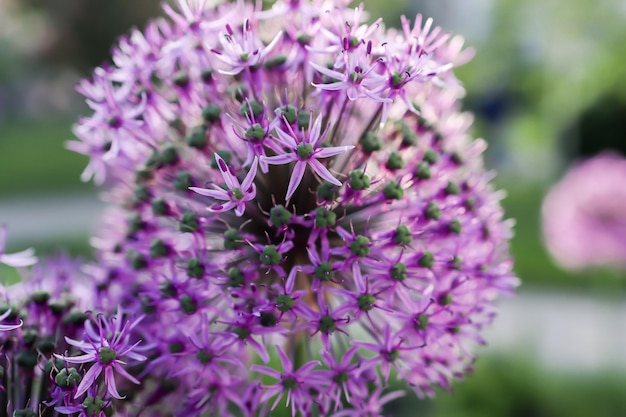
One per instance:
[(584, 214), (302, 180), (371, 406), (37, 313), (294, 384), (93, 405), (104, 349), (23, 258), (237, 194), (303, 153)]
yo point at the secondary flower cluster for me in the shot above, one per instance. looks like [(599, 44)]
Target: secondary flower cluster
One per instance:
[(297, 209), (584, 214), (53, 352)]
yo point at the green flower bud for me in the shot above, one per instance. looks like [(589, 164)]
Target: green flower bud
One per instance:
[(280, 216), (183, 181), (371, 142), (427, 260), (403, 235), (433, 212), (232, 239), (324, 218), (188, 305), (393, 191), (188, 222), (197, 137), (211, 113), (270, 255), (358, 180), (395, 161), (360, 246)]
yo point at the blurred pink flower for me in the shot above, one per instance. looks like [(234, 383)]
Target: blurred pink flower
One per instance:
[(584, 214)]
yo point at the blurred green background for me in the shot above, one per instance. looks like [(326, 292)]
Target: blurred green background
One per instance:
[(547, 87)]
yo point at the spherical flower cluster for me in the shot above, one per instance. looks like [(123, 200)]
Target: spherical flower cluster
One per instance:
[(297, 207), (584, 214)]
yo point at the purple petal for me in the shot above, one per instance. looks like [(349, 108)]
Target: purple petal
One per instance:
[(109, 381), (358, 277), (125, 374), (391, 396), (291, 279), (19, 259), (247, 182), (9, 327), (296, 178), (88, 379), (68, 409), (328, 72), (217, 194), (260, 350), (335, 150), (133, 355), (90, 357), (286, 139), (223, 207), (307, 368), (336, 86), (284, 360), (280, 159), (240, 209), (230, 180), (272, 44), (315, 133), (323, 172), (5, 315), (265, 370)]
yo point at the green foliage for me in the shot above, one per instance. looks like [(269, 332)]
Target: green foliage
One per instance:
[(34, 160), (517, 387), (504, 386)]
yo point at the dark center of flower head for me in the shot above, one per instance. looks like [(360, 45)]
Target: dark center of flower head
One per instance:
[(276, 233)]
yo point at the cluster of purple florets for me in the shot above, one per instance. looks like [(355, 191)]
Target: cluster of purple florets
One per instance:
[(52, 357), (298, 214)]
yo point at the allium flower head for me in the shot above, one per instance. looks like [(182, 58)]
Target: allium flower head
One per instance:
[(296, 184), (584, 214)]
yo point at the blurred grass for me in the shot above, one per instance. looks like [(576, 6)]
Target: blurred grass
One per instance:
[(515, 387), (33, 159)]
